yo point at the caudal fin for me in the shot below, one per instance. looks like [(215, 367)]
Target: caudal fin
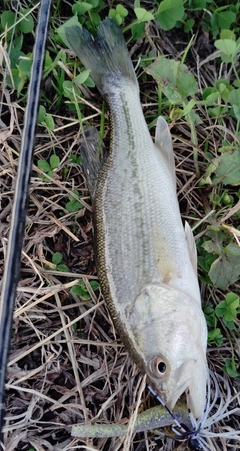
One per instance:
[(106, 55)]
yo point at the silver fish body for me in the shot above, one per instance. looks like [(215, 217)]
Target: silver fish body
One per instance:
[(146, 259)]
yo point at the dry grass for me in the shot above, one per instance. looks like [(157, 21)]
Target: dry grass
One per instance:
[(66, 362)]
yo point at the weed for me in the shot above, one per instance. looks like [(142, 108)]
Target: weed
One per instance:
[(48, 167), (73, 205), (57, 259), (81, 290)]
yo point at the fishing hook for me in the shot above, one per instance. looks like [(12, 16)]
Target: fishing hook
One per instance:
[(181, 435)]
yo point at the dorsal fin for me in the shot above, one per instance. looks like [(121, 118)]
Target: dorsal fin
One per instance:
[(93, 152), (163, 141), (191, 246)]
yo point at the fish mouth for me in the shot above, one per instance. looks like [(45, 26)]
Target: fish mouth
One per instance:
[(195, 392), (172, 400)]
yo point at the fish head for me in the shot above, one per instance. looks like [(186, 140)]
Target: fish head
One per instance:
[(171, 380), (173, 340)]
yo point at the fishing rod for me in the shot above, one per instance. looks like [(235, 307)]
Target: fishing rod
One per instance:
[(19, 211)]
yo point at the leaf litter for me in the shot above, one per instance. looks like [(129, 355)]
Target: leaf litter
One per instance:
[(67, 364)]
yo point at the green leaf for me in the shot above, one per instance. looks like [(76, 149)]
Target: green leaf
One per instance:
[(143, 15), (70, 90), (227, 171), (48, 60), (227, 46), (75, 159), (224, 311), (73, 22), (234, 97), (230, 368), (210, 317), (169, 12), (41, 113), (232, 300), (54, 161), (27, 23), (137, 4), (81, 78), (220, 309), (188, 25), (123, 12), (81, 290), (73, 205), (7, 19), (81, 8), (57, 258), (212, 98), (137, 30), (210, 247), (89, 83), (226, 268), (18, 42), (15, 55), (206, 261), (44, 165), (49, 121), (95, 3), (174, 79), (227, 34), (95, 285), (216, 336), (235, 112), (229, 324), (62, 267), (196, 5), (224, 19), (188, 108), (224, 91), (25, 65)]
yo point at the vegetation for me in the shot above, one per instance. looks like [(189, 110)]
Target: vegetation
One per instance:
[(186, 54)]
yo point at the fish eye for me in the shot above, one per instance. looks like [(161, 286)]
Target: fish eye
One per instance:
[(159, 366)]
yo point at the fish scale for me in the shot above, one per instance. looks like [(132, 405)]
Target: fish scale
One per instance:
[(147, 263), (136, 213)]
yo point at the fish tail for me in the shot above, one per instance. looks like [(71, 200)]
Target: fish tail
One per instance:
[(106, 55)]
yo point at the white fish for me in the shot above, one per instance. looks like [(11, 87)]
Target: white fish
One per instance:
[(147, 263)]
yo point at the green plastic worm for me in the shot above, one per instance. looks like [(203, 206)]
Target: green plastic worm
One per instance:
[(156, 417)]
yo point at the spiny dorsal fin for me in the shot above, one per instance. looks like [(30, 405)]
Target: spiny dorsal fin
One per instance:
[(191, 246), (93, 152), (163, 141)]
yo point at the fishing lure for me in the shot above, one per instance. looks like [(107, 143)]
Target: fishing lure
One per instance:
[(198, 435)]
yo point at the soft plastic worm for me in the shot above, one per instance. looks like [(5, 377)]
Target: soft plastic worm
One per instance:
[(154, 418)]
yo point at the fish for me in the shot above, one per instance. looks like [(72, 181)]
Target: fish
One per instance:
[(146, 258)]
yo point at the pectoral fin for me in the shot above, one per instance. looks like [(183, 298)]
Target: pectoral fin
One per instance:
[(163, 141), (191, 246), (92, 154)]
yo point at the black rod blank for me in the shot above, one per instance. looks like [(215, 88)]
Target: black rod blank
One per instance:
[(19, 211)]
